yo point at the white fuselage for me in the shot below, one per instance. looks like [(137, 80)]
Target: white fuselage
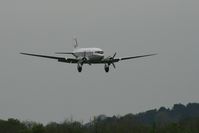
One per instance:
[(89, 53)]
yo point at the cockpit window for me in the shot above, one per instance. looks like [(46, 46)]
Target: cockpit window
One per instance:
[(99, 52)]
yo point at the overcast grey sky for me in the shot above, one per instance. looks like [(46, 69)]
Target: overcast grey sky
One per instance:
[(44, 90)]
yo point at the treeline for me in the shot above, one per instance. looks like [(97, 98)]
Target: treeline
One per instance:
[(166, 115), (179, 119)]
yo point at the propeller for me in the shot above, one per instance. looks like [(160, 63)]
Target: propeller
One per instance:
[(111, 60), (113, 65), (84, 58), (114, 55)]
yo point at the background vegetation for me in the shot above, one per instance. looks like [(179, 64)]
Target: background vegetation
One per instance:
[(179, 119)]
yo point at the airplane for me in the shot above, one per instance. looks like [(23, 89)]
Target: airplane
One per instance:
[(88, 56)]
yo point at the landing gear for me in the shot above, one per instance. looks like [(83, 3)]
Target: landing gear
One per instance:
[(79, 67), (106, 68)]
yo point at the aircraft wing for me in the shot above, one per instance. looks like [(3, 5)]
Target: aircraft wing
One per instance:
[(64, 53), (60, 59), (112, 60), (134, 57)]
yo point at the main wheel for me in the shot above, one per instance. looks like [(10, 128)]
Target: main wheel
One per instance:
[(79, 68), (106, 68)]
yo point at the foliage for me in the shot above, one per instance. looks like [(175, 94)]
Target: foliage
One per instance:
[(179, 119)]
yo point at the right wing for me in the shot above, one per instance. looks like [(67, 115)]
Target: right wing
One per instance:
[(60, 59)]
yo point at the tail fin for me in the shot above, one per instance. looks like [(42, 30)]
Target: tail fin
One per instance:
[(75, 43)]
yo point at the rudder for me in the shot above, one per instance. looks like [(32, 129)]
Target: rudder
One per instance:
[(75, 43)]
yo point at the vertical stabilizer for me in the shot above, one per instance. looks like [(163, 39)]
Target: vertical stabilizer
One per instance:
[(75, 43)]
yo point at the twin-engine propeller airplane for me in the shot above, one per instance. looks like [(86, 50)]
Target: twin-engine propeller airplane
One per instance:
[(88, 56)]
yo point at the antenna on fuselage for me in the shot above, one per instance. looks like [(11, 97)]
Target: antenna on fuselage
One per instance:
[(75, 42)]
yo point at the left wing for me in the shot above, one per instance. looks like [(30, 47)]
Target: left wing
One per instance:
[(60, 59)]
